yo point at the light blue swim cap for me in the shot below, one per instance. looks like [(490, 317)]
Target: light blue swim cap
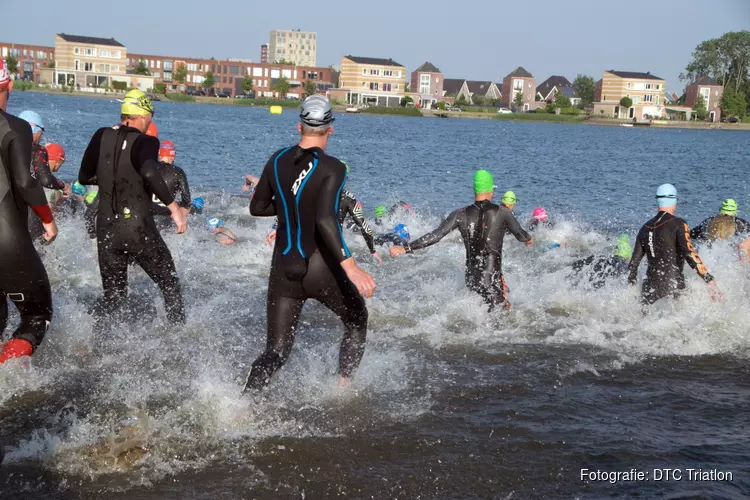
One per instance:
[(666, 195), (401, 231), (214, 223), (34, 119), (198, 203)]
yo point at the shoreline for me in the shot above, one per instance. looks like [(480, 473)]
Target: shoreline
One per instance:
[(528, 117)]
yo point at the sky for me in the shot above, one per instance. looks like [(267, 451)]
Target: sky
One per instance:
[(486, 42)]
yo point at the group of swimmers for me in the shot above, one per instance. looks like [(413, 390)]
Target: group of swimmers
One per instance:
[(304, 189)]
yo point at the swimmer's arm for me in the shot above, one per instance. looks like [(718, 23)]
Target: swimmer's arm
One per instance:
[(635, 260), (359, 219), (697, 233), (87, 173), (144, 159), (326, 220), (579, 264), (19, 156), (741, 226), (691, 256), (44, 174), (262, 203), (444, 229), (515, 228), (184, 189)]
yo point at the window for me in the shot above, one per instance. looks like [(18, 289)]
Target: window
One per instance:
[(105, 53), (40, 54), (373, 85), (156, 75), (648, 98), (275, 73), (364, 84), (374, 72), (223, 79), (24, 52), (225, 69), (286, 73), (630, 85), (656, 99), (424, 84), (151, 63), (76, 50), (158, 64), (658, 86), (364, 71), (312, 75), (213, 68), (104, 68), (89, 52), (233, 70), (77, 64), (87, 66), (167, 76), (386, 87), (192, 67), (649, 86), (395, 87), (257, 71), (387, 72), (168, 65)]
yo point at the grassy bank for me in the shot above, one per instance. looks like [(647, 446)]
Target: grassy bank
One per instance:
[(382, 110), (176, 97), (541, 117)]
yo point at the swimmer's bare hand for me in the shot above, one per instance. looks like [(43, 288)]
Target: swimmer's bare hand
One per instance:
[(50, 232), (270, 238), (530, 242), (361, 279), (377, 257), (67, 190), (178, 216), (715, 294), (397, 251)]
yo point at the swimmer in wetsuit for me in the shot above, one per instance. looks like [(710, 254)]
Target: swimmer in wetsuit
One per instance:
[(122, 162), (23, 279), (604, 267), (665, 241), (302, 186), (482, 226), (177, 183), (539, 219), (725, 226), (399, 236)]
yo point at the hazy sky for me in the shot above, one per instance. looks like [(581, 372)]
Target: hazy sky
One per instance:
[(484, 42)]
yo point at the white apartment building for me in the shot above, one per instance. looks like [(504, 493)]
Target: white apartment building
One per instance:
[(295, 46)]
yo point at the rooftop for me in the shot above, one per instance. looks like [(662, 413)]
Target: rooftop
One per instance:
[(92, 40), (705, 80), (634, 74), (452, 85), (521, 73), (475, 87), (374, 61), (427, 67), (554, 81)]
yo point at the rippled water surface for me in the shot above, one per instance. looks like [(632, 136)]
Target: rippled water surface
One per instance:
[(450, 401)]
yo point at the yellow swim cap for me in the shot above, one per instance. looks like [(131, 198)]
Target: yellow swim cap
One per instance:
[(136, 102)]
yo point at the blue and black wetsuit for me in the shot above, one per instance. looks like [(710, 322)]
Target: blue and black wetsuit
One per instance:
[(303, 187), (23, 279)]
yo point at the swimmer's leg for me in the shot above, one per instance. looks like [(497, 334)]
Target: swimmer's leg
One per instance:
[(158, 264)]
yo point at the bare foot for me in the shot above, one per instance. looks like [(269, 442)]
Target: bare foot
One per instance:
[(344, 382)]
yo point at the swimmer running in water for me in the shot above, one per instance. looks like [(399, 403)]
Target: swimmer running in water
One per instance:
[(23, 279), (177, 183), (725, 226), (665, 241), (122, 161), (302, 185), (482, 226)]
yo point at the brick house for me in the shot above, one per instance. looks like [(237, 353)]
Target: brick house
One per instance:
[(550, 88), (427, 81), (712, 92), (519, 81), (31, 59)]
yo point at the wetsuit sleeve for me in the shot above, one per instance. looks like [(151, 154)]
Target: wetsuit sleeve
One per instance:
[(262, 203), (580, 264), (184, 188), (698, 232), (144, 159), (638, 253), (19, 157), (43, 172), (87, 173), (326, 220), (688, 251), (741, 226), (89, 216), (359, 219), (515, 228), (449, 224)]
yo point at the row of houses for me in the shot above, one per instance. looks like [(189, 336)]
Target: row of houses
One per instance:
[(93, 64)]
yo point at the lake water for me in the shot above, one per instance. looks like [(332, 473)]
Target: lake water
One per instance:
[(450, 401)]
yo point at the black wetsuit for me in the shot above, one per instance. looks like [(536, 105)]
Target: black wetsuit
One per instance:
[(721, 227), (122, 162), (177, 183), (23, 279), (482, 226), (303, 187), (382, 239), (601, 268), (540, 224), (665, 241), (40, 164), (89, 216)]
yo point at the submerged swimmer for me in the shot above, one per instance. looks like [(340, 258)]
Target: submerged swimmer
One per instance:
[(399, 236), (482, 226), (665, 241), (604, 267), (223, 235)]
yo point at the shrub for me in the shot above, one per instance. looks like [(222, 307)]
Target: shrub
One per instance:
[(180, 97), (570, 111), (382, 110)]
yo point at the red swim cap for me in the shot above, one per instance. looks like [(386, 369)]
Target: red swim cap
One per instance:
[(55, 152), (167, 150), (152, 130)]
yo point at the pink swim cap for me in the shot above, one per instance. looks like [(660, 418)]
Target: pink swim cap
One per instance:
[(539, 214)]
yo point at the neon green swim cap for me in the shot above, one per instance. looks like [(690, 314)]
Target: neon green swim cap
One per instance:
[(91, 196), (510, 198), (623, 248), (728, 207), (380, 211), (483, 182), (136, 102)]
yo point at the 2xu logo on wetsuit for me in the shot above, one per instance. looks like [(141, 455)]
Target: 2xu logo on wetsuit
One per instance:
[(302, 175)]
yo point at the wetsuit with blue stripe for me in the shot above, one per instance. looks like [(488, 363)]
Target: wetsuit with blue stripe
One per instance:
[(303, 188)]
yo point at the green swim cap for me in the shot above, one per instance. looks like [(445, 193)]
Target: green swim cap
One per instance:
[(380, 211), (483, 182), (623, 248), (91, 196), (510, 198), (728, 207)]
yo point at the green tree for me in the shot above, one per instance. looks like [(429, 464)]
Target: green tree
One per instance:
[(309, 88), (725, 59), (562, 101), (180, 74), (51, 64), (406, 100), (407, 88), (518, 100), (284, 62), (208, 80), (733, 103), (461, 100), (12, 64), (479, 100), (626, 102), (585, 88), (142, 68), (441, 105), (247, 84), (161, 88), (282, 87), (700, 108)]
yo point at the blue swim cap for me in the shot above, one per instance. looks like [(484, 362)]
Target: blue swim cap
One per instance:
[(198, 203), (214, 223), (666, 195), (78, 189), (34, 120), (402, 232)]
